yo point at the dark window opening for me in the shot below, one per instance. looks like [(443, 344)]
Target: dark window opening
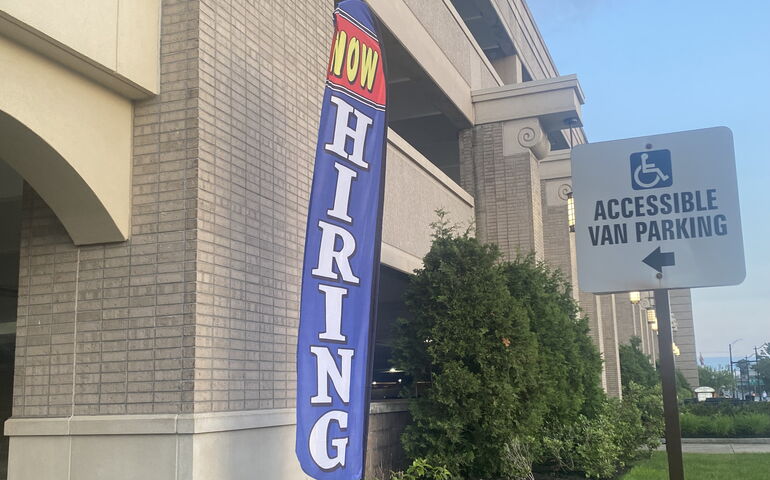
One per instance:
[(386, 379), (10, 234)]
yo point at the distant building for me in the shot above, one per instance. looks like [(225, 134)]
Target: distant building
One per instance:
[(155, 166)]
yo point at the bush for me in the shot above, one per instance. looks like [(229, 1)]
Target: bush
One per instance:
[(420, 469), (507, 371), (725, 426), (472, 342), (617, 435), (726, 407), (569, 365), (635, 366), (649, 402)]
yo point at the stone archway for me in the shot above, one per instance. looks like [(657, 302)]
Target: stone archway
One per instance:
[(70, 139)]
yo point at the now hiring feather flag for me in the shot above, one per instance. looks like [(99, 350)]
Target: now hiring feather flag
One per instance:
[(342, 254)]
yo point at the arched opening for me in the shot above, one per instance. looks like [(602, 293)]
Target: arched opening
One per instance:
[(10, 225), (70, 139), (82, 213)]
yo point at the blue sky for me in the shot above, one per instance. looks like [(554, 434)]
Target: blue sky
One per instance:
[(657, 66)]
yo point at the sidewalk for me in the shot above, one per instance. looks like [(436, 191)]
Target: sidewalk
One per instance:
[(724, 445)]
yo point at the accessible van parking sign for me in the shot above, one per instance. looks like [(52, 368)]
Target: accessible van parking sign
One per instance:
[(658, 212)]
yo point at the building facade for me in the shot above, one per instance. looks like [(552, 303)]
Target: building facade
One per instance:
[(155, 167)]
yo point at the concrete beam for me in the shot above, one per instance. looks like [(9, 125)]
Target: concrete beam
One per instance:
[(70, 139)]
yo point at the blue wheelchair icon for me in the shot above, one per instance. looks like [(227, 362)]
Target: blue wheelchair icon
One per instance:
[(651, 169)]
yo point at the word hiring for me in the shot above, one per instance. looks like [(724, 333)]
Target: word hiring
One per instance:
[(333, 286), (680, 205)]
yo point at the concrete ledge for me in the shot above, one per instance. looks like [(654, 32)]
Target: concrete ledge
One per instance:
[(389, 406), (552, 101), (402, 23), (120, 53), (398, 259), (166, 424), (230, 421), (418, 159)]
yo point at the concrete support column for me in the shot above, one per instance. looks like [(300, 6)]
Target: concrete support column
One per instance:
[(509, 68), (558, 241), (592, 308), (610, 354), (626, 317), (499, 166), (684, 336)]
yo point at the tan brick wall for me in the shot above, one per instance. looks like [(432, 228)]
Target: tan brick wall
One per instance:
[(625, 319), (506, 190), (591, 307), (684, 336), (262, 67), (108, 329), (610, 337), (558, 243)]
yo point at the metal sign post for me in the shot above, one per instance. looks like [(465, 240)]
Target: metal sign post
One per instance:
[(668, 378)]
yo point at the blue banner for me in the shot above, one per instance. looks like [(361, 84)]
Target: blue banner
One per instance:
[(342, 254)]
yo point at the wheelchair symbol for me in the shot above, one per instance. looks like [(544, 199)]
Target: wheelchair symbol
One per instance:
[(651, 169)]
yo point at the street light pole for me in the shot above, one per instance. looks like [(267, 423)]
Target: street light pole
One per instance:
[(732, 375)]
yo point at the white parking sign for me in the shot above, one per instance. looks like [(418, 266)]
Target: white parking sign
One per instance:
[(658, 212)]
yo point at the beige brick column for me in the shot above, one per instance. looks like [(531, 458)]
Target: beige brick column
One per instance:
[(500, 154), (591, 306), (558, 241), (610, 332), (625, 317), (684, 336), (499, 168)]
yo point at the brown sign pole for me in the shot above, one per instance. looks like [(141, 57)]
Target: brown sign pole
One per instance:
[(668, 378)]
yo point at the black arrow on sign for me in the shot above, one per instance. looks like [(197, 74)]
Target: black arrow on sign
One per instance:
[(658, 259)]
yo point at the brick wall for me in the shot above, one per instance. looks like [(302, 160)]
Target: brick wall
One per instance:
[(610, 337), (625, 318), (684, 336), (506, 190), (558, 243), (383, 449), (107, 329), (588, 305), (262, 67)]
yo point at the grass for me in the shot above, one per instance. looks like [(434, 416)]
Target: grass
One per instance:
[(705, 466)]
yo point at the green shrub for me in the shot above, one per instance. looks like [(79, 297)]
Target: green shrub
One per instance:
[(635, 366), (725, 426), (569, 365), (649, 402), (471, 341), (726, 407), (617, 435), (507, 371), (420, 469)]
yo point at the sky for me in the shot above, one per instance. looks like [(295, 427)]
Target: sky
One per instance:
[(659, 66)]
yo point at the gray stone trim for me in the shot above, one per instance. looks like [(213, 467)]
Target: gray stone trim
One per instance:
[(398, 259), (168, 424)]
